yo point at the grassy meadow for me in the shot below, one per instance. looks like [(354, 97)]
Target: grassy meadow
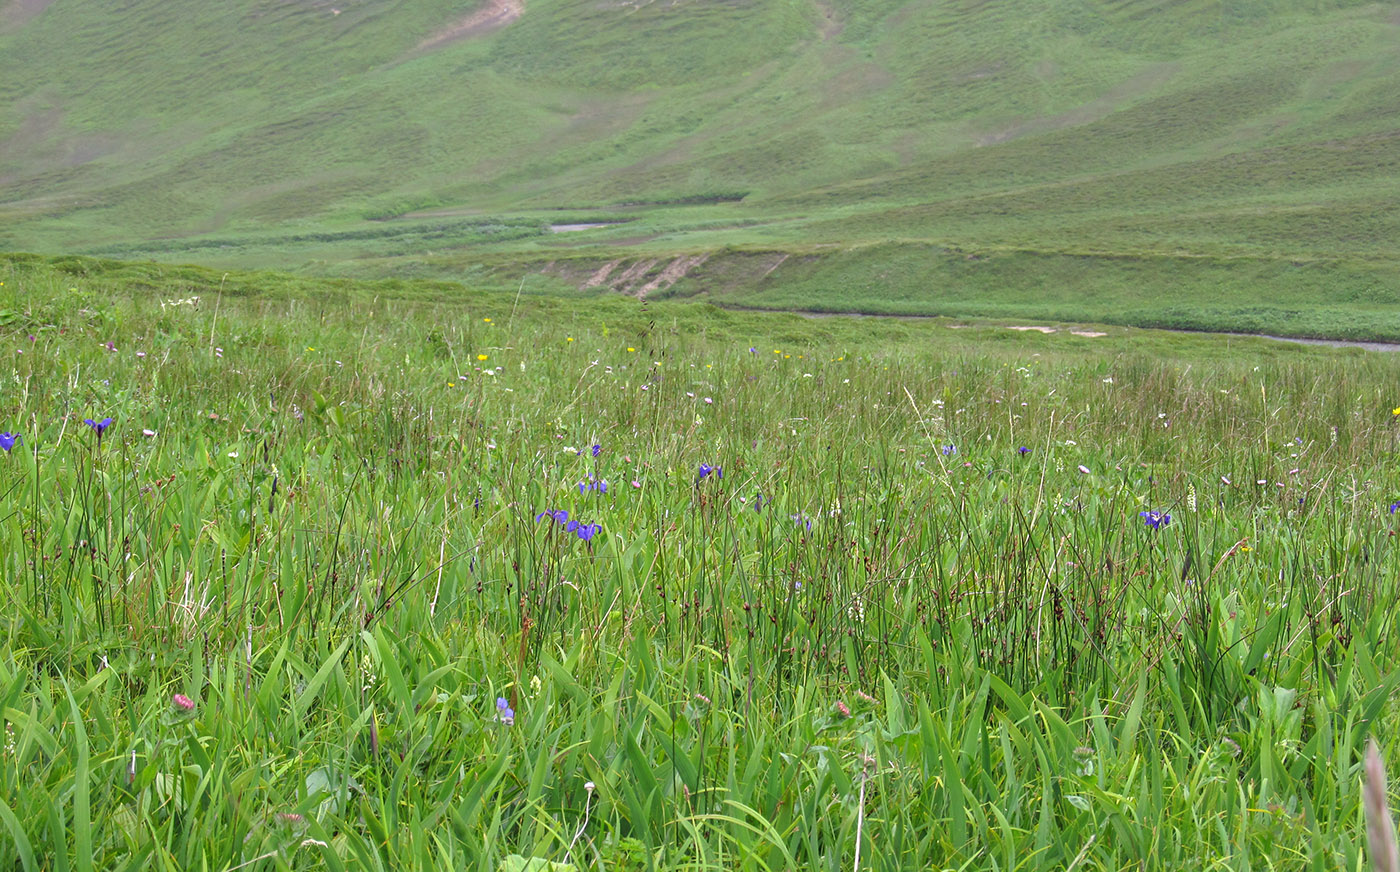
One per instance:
[(398, 575)]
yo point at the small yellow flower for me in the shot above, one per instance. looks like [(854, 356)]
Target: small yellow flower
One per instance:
[(310, 348), (630, 348), (1395, 411), (487, 320), (481, 357), (569, 339), (777, 351)]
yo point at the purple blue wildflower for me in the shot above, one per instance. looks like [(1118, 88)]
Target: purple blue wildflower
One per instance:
[(1155, 520), (8, 440), (593, 485), (586, 532), (504, 713), (706, 469)]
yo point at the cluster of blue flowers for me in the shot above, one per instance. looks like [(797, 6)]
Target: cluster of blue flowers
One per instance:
[(591, 485), (586, 532)]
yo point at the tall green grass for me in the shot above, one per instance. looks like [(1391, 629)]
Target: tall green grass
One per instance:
[(881, 627)]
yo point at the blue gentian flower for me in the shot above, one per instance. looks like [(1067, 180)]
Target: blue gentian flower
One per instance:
[(1393, 506), (8, 440), (1155, 520), (949, 450), (98, 426), (597, 449), (706, 469), (1024, 450)]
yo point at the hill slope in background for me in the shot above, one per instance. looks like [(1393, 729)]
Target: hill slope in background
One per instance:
[(753, 137)]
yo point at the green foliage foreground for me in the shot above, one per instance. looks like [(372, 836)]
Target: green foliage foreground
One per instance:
[(296, 606)]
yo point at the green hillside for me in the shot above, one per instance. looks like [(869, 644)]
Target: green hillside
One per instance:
[(1243, 157)]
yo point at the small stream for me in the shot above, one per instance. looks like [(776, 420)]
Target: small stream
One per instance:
[(1331, 343)]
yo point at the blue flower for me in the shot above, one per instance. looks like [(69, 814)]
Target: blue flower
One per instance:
[(559, 515), (801, 521), (597, 449), (949, 450), (1155, 520), (1393, 506), (1024, 450), (758, 502), (504, 713), (706, 469), (586, 532), (98, 426), (8, 440)]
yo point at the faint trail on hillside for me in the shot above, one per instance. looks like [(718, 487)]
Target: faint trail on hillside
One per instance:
[(494, 15)]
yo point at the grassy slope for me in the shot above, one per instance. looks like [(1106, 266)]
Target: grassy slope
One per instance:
[(1134, 137)]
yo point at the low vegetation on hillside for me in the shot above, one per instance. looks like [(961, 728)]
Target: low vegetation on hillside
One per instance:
[(1241, 153)]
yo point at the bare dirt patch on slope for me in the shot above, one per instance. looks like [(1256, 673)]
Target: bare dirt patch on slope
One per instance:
[(15, 13), (493, 15), (637, 278)]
